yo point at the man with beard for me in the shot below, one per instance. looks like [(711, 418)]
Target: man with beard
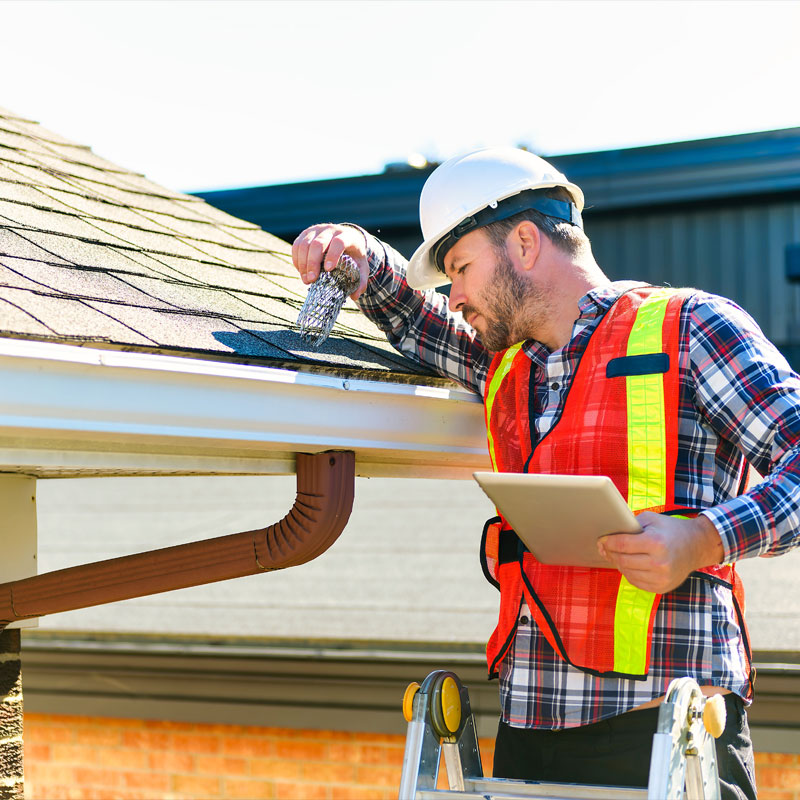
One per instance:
[(672, 393)]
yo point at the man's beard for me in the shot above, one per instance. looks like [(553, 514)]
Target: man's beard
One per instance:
[(508, 304)]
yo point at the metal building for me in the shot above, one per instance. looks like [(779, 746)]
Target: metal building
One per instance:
[(719, 214)]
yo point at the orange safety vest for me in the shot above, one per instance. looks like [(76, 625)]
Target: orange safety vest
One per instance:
[(620, 419)]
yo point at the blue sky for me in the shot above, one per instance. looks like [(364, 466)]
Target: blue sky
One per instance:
[(202, 95)]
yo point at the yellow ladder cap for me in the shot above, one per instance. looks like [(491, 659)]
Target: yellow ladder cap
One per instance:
[(714, 715), (451, 704), (408, 700)]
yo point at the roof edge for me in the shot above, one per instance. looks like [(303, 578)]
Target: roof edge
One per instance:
[(101, 412)]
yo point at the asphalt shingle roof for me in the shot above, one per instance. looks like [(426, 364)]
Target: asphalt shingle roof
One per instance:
[(93, 253)]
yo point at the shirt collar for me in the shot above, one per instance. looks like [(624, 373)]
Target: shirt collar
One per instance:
[(591, 306)]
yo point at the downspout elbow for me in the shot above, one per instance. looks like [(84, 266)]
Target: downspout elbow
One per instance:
[(325, 490)]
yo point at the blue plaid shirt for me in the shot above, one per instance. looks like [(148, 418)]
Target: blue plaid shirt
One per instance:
[(740, 398)]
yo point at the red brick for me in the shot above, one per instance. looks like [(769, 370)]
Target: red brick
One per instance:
[(121, 758), (346, 752), (50, 733), (326, 772), (170, 725), (73, 754), (168, 761), (379, 776), (238, 789), (50, 773), (301, 791), (386, 738), (220, 765), (192, 786), (146, 780), (776, 794), (358, 793), (782, 759), (778, 778), (105, 736), (301, 751), (147, 740), (248, 747), (274, 769), (37, 752), (385, 756), (90, 776), (195, 743)]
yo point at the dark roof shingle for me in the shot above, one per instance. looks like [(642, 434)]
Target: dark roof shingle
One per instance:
[(91, 252)]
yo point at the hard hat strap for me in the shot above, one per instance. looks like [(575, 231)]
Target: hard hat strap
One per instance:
[(532, 199)]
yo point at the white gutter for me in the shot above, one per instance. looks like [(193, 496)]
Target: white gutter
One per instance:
[(68, 410)]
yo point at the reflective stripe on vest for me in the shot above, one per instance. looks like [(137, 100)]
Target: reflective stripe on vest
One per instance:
[(491, 392), (646, 476)]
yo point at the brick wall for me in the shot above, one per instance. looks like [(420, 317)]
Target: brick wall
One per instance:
[(88, 758), (120, 759)]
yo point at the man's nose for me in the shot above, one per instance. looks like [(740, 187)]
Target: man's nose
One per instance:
[(457, 296)]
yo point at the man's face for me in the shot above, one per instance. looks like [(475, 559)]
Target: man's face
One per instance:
[(494, 298)]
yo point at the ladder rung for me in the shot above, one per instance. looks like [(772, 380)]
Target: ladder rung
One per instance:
[(499, 789)]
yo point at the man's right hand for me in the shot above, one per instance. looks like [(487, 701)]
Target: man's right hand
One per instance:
[(320, 246)]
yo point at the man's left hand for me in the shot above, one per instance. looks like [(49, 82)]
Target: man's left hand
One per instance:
[(661, 557)]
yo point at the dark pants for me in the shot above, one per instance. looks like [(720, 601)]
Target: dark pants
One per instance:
[(616, 752)]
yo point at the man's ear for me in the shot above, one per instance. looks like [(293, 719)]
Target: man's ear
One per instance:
[(525, 242)]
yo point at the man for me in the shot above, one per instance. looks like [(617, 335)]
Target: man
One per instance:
[(671, 393)]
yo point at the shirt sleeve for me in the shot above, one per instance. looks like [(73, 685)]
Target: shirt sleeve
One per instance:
[(748, 393), (420, 325)]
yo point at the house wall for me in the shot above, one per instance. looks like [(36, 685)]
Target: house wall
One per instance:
[(101, 758), (131, 759), (735, 249)]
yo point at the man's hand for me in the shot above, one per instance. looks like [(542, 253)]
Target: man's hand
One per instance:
[(661, 558), (320, 246)]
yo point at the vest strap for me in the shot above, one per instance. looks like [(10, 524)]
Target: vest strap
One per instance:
[(503, 368)]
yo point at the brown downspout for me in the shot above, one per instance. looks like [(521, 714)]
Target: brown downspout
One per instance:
[(325, 486)]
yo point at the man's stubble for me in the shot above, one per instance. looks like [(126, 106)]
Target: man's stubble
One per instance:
[(510, 306)]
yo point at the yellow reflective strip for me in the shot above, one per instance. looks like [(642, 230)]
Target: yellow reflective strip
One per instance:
[(491, 391), (645, 397), (631, 623), (647, 480)]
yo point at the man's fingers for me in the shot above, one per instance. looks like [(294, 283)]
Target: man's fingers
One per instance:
[(308, 249), (333, 253), (626, 543), (363, 268), (647, 581), (321, 247)]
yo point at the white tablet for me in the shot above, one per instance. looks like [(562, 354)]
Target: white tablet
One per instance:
[(560, 517)]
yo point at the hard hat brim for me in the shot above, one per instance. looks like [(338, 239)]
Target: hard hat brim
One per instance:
[(422, 273)]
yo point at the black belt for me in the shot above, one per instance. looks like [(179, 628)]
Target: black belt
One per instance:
[(510, 547)]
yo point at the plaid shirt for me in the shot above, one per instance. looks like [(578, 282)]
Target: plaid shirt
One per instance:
[(739, 398)]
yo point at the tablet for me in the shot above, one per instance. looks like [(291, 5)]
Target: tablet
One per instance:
[(560, 517)]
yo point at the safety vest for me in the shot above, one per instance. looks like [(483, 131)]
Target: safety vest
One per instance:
[(620, 419)]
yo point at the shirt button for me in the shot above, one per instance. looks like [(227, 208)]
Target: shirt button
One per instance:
[(554, 386), (523, 620)]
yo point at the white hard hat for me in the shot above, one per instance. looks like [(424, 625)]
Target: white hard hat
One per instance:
[(458, 190)]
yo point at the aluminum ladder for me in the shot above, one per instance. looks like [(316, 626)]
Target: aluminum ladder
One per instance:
[(682, 765)]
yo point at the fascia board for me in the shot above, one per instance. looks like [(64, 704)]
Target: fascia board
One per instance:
[(68, 410)]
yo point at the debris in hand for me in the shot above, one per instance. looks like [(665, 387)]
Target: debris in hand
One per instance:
[(325, 299)]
